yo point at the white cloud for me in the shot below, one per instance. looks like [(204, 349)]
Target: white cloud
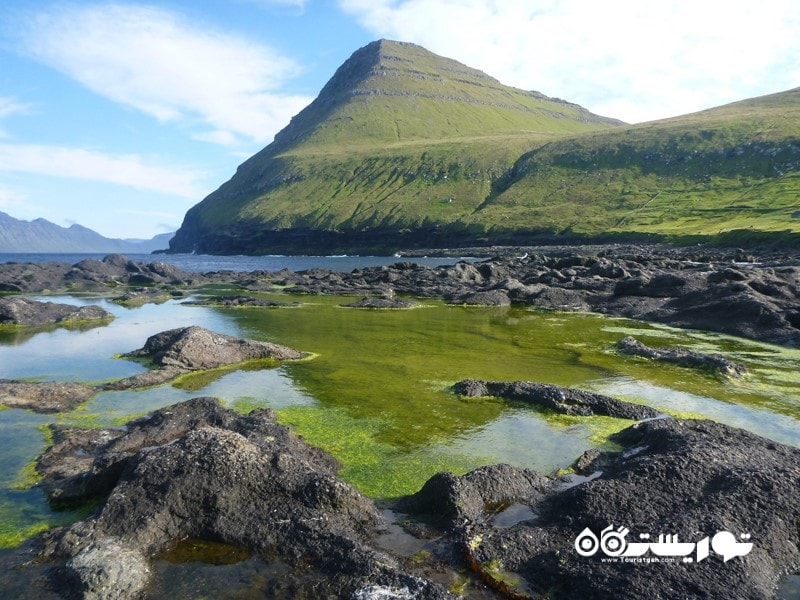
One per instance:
[(10, 107), (225, 87), (125, 170), (299, 5), (622, 58)]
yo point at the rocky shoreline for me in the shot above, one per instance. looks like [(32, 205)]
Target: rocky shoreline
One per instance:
[(725, 291), (196, 470), (684, 509)]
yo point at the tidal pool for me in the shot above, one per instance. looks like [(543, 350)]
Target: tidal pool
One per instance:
[(376, 396)]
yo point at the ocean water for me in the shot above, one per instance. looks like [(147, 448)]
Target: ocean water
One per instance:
[(204, 263)]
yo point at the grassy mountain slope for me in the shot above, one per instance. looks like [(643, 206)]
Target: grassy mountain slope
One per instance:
[(399, 142), (405, 148), (729, 173)]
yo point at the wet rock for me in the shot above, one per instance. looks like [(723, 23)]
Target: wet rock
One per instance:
[(661, 285), (560, 399), (92, 274), (495, 297), (44, 396), (143, 380), (553, 298), (464, 272), (382, 302), (106, 570), (139, 297), (66, 466), (700, 288), (193, 348), (197, 470), (692, 479), (241, 302), (450, 500), (17, 310), (682, 357)]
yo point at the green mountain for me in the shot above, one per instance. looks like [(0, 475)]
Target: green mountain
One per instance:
[(729, 174), (399, 148), (405, 148)]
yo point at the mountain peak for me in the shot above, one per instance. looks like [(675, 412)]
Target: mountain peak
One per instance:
[(389, 91), (385, 140)]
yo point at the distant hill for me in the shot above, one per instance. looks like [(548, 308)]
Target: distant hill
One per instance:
[(729, 175), (40, 235), (404, 148)]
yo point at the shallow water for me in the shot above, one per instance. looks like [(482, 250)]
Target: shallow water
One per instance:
[(376, 393)]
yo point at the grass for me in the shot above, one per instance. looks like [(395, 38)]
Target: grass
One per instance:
[(402, 140)]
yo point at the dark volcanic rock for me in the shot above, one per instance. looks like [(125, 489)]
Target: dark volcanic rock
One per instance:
[(241, 302), (487, 298), (451, 500), (193, 348), (382, 302), (692, 479), (44, 396), (563, 400), (24, 311), (711, 289), (92, 274), (682, 357), (197, 470)]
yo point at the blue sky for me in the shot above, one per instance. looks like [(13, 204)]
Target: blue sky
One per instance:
[(120, 116)]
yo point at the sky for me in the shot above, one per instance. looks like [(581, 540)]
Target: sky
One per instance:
[(120, 116)]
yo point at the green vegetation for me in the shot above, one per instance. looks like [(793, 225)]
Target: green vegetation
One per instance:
[(399, 139), (377, 393), (402, 143), (729, 173)]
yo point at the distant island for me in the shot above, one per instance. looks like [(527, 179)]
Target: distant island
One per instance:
[(407, 149), (42, 236)]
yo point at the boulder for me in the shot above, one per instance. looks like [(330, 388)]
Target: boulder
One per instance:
[(16, 310), (198, 470), (560, 399), (382, 302), (194, 348), (695, 480), (450, 500), (495, 297), (683, 357), (44, 396)]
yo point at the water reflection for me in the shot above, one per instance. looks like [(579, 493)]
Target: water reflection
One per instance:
[(377, 395)]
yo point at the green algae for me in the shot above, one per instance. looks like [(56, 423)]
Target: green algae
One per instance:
[(377, 393)]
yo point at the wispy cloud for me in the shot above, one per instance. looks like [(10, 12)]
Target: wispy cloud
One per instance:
[(9, 107), (125, 170), (628, 59), (298, 5), (224, 88)]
